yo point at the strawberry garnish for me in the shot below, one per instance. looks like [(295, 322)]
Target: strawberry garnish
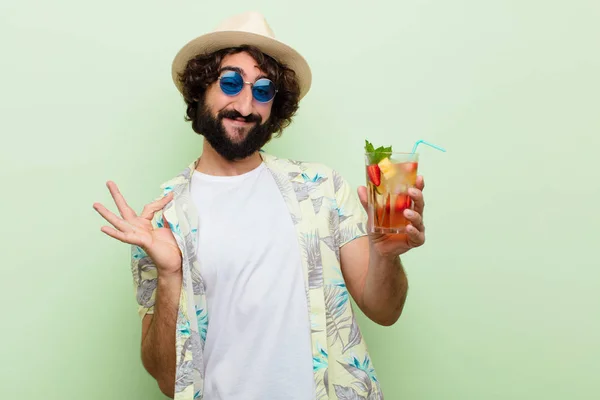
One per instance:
[(410, 166), (374, 174), (403, 202)]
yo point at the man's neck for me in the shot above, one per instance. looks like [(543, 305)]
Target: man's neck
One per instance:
[(212, 163)]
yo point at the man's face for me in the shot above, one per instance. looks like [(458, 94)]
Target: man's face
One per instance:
[(235, 125)]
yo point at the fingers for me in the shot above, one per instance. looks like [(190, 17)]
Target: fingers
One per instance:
[(415, 219), (420, 183), (362, 196), (150, 209), (416, 230), (124, 209), (415, 237), (124, 231), (417, 196), (123, 237), (112, 218)]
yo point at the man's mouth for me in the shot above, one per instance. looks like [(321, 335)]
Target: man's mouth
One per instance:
[(238, 121)]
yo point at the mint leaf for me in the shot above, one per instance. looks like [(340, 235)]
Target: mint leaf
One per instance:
[(378, 154)]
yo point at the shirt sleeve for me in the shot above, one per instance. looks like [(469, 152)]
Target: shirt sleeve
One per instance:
[(145, 275), (145, 279), (351, 213)]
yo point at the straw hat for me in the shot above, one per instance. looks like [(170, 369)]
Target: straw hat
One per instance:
[(250, 28)]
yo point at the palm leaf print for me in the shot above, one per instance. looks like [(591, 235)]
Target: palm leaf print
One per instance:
[(347, 393), (312, 250), (336, 299)]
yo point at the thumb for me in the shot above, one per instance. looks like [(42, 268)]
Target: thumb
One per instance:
[(150, 209), (166, 223), (362, 196)]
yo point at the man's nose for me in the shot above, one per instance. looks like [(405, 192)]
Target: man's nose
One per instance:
[(243, 103)]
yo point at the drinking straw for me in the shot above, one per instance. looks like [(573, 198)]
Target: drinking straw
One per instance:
[(428, 144)]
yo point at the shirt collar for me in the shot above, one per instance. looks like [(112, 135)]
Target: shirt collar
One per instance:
[(184, 177)]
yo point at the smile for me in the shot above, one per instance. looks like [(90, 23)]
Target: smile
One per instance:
[(238, 122)]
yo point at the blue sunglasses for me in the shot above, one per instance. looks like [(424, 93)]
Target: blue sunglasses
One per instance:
[(232, 83)]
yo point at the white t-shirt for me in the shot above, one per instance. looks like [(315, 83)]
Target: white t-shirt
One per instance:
[(258, 340)]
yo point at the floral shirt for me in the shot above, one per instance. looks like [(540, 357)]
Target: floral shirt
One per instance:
[(327, 214)]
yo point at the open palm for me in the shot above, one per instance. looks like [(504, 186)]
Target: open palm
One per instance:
[(158, 243)]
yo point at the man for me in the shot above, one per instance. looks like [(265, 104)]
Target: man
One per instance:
[(244, 267)]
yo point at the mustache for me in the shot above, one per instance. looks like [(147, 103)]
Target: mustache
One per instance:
[(233, 114)]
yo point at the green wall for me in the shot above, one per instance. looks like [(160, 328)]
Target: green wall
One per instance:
[(503, 300)]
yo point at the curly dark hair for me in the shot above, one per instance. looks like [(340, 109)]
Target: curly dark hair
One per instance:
[(203, 70)]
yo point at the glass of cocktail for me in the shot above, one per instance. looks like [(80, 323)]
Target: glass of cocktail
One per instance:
[(389, 176)]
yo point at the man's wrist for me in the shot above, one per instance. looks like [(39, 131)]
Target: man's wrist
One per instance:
[(170, 276), (379, 258)]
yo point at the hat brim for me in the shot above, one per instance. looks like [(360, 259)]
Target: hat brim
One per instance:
[(214, 41)]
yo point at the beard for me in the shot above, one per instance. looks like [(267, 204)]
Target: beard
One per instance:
[(215, 133)]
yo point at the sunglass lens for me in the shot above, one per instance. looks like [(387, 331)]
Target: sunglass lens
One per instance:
[(264, 90), (231, 83)]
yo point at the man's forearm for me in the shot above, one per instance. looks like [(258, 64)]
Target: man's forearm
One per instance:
[(158, 343), (385, 289)]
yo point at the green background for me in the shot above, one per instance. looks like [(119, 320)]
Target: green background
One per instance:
[(503, 300)]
